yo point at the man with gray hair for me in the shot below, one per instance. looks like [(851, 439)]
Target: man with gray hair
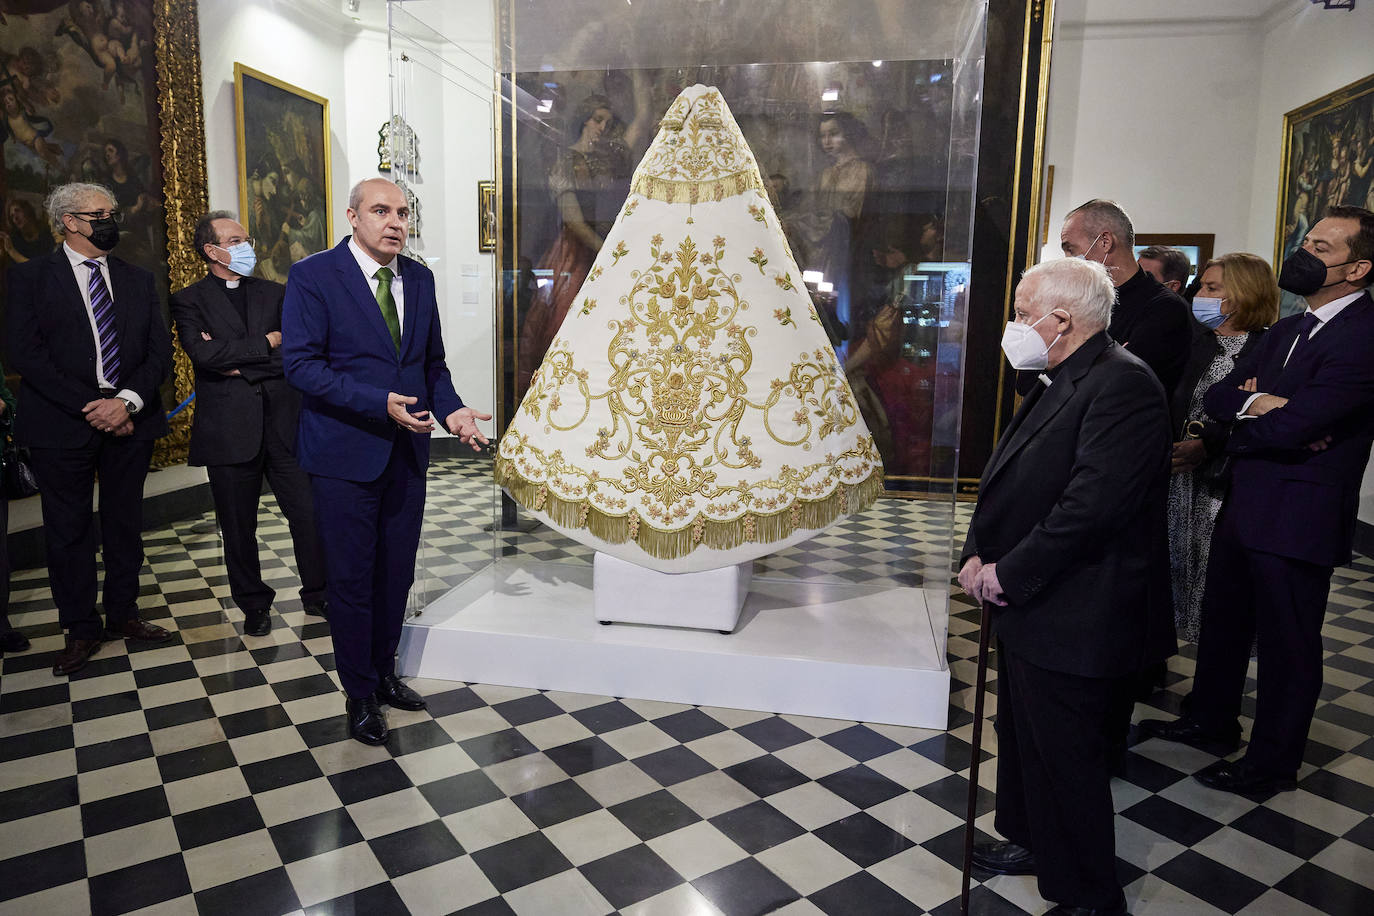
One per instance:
[(1066, 543), (1150, 320), (245, 423), (87, 335)]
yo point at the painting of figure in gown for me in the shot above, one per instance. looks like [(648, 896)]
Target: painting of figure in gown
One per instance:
[(78, 102), (1328, 161), (283, 150), (855, 160)]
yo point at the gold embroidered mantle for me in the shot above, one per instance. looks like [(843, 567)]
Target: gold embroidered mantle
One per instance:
[(691, 399)]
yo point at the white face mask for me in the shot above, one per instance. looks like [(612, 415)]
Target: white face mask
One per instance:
[(1024, 348), (1084, 255)]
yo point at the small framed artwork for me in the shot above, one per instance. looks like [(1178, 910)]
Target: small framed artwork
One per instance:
[(486, 216), (1198, 246), (283, 160)]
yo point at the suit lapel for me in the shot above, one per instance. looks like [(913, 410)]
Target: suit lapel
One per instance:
[(362, 294), (412, 283), (214, 300), (66, 281)]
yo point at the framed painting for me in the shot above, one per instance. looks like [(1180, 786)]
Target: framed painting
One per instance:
[(1327, 161), (107, 93), (283, 159), (486, 216)]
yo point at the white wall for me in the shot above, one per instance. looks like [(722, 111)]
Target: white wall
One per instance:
[(1158, 115)]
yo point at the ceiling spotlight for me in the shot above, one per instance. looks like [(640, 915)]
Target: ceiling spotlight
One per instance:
[(830, 95)]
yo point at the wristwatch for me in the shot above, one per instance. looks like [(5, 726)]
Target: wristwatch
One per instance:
[(130, 406)]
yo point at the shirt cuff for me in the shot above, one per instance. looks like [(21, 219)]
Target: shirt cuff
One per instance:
[(1241, 414), (131, 395)]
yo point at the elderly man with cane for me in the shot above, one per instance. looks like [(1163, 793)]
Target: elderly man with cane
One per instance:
[(1068, 545)]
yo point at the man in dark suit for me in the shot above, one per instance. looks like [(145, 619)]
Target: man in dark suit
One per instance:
[(245, 420), (361, 341), (1066, 541), (1303, 411), (86, 334)]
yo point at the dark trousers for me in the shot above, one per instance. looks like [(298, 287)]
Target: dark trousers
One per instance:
[(1281, 601), (1053, 778), (66, 479), (236, 489), (371, 532)]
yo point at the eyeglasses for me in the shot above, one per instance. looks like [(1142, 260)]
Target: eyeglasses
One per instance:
[(89, 215), (230, 243)]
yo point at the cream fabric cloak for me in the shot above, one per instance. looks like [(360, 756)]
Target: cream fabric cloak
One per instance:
[(691, 413)]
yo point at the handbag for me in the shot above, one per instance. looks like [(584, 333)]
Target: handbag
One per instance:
[(20, 483)]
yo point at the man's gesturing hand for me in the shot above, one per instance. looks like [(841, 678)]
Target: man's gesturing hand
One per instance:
[(415, 422), (463, 424)]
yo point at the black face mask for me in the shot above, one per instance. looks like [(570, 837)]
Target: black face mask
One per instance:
[(104, 234), (1303, 273)]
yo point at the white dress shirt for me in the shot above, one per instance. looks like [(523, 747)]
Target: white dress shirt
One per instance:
[(369, 267), (83, 283)]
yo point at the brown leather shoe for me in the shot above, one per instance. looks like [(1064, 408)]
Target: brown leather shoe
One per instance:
[(74, 655), (134, 628)]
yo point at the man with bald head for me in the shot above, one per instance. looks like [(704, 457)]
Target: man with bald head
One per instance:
[(87, 335), (1150, 320), (1066, 542), (361, 341)]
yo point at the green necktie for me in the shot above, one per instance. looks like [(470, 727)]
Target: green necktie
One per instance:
[(388, 304)]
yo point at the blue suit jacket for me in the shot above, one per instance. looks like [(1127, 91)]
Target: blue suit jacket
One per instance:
[(1287, 499), (338, 353)]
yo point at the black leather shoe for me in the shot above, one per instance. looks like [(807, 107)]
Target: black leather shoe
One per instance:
[(1063, 910), (14, 641), (257, 623), (74, 655), (393, 693), (1189, 732), (1245, 779), (366, 721), (136, 629), (317, 608), (1004, 858)]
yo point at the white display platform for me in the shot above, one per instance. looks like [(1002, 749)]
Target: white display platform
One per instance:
[(857, 652), (712, 599)]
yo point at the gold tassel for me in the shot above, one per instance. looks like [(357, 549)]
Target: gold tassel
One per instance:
[(752, 527)]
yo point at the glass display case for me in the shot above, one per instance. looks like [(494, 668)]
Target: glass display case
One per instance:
[(863, 121)]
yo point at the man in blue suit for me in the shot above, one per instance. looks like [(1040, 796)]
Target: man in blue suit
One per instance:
[(1303, 405), (361, 341)]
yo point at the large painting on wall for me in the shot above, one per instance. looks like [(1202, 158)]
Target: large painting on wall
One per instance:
[(78, 90), (106, 91), (283, 159), (1328, 160)]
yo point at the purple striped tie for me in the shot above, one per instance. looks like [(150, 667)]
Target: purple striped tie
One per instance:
[(102, 306)]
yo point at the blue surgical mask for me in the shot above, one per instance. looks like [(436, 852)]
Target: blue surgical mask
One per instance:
[(1208, 311), (242, 258)]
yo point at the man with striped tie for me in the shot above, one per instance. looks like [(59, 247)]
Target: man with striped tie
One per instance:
[(87, 336)]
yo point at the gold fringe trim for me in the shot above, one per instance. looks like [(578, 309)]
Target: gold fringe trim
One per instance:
[(695, 192), (752, 527)]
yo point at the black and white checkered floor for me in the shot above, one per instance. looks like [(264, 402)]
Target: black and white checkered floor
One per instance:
[(214, 776)]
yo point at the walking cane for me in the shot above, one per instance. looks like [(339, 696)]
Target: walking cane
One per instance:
[(980, 688)]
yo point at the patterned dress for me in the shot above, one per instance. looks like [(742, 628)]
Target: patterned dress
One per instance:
[(1193, 506)]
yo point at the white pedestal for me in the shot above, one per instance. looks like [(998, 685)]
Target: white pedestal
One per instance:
[(707, 600), (858, 652)]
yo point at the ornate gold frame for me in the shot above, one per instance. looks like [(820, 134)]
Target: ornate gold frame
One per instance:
[(185, 188), (1342, 96)]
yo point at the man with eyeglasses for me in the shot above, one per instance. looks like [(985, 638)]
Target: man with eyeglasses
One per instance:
[(245, 420), (86, 333)]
